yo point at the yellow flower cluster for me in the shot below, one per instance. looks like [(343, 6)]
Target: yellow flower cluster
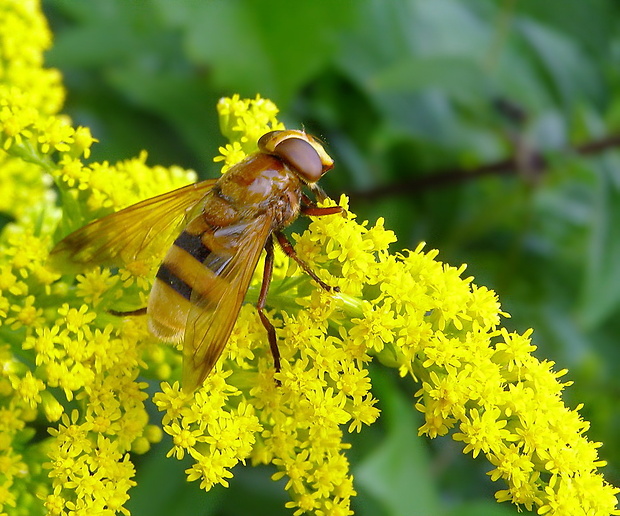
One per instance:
[(241, 413), (243, 122), (28, 94), (58, 346), (412, 312), (67, 363)]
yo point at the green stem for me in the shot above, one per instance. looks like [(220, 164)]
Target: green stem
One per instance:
[(29, 153)]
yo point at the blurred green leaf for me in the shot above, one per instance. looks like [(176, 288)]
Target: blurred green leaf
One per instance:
[(163, 490), (602, 286), (486, 509), (569, 69), (397, 472), (590, 24), (456, 77), (259, 47)]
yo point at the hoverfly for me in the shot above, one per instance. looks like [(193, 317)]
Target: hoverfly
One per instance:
[(221, 227)]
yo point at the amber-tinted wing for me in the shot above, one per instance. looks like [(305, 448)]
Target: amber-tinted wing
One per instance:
[(212, 317), (131, 233)]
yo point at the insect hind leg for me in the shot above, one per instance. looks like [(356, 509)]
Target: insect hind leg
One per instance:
[(260, 305), (139, 311)]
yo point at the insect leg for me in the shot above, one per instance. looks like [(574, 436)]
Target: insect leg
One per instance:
[(312, 210), (262, 299), (315, 211), (288, 248), (139, 311)]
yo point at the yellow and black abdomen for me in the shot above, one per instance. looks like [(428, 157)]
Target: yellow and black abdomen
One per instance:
[(193, 266)]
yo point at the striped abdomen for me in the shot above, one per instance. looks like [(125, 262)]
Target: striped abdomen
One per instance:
[(191, 270)]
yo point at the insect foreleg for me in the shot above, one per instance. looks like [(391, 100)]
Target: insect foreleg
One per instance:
[(315, 211), (309, 208)]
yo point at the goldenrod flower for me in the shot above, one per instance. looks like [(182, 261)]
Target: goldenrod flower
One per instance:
[(66, 360)]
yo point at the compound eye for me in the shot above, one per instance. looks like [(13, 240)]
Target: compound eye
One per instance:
[(300, 155)]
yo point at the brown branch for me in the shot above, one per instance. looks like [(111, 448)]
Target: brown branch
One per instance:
[(529, 163), (596, 146)]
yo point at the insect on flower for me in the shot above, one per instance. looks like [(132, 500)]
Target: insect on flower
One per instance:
[(222, 226)]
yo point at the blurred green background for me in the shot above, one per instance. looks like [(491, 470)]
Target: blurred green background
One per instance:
[(487, 129)]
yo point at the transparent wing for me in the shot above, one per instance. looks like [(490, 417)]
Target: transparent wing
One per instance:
[(132, 233), (212, 316)]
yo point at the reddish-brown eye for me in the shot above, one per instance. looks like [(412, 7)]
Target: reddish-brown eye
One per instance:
[(300, 155)]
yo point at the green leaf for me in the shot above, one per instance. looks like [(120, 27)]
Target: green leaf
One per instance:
[(163, 489), (591, 24), (396, 473), (268, 48), (487, 508), (457, 77), (570, 71), (602, 280)]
